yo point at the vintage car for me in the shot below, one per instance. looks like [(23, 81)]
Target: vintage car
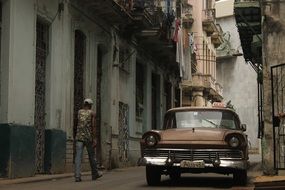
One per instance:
[(196, 140)]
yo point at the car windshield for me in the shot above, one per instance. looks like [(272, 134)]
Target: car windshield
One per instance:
[(201, 118)]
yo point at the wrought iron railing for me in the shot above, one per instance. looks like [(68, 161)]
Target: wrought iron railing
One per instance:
[(149, 9)]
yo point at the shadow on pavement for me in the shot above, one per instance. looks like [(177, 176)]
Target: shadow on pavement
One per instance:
[(198, 181)]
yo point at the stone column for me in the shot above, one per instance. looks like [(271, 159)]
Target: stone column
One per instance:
[(198, 99)]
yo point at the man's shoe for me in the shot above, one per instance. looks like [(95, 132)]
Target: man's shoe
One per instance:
[(78, 179), (97, 176)]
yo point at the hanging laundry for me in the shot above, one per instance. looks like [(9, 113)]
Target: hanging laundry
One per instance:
[(180, 51), (177, 26)]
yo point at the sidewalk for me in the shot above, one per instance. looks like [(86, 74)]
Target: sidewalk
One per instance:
[(38, 178), (265, 182), (270, 182)]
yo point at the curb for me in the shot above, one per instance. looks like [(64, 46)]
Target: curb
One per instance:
[(269, 185), (39, 178)]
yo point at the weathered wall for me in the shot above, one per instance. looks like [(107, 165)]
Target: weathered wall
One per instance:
[(18, 44), (273, 54), (17, 93), (17, 151), (239, 84)]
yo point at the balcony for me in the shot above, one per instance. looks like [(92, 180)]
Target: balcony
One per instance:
[(125, 14), (142, 19), (187, 17), (248, 19), (205, 83), (157, 39), (208, 19), (216, 37), (108, 10)]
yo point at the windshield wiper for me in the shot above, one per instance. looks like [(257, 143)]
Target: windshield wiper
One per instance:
[(211, 122)]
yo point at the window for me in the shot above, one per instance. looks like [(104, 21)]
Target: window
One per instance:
[(139, 90)]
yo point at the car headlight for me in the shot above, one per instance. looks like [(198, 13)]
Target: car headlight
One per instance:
[(150, 140), (234, 142)]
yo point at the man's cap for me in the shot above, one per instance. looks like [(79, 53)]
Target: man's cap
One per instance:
[(88, 101)]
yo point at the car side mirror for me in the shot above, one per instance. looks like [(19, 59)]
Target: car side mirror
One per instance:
[(243, 127)]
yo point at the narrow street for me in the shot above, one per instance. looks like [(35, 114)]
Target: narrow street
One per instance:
[(134, 178), (194, 84)]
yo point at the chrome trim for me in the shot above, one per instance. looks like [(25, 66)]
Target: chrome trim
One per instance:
[(195, 154), (164, 161)]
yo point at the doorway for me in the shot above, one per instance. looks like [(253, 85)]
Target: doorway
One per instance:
[(79, 64), (155, 91)]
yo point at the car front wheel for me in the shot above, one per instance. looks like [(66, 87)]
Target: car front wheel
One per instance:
[(153, 175), (240, 177)]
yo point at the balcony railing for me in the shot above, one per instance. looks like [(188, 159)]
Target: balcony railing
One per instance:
[(209, 15)]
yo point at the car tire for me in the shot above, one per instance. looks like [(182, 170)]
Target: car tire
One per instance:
[(240, 177), (153, 175)]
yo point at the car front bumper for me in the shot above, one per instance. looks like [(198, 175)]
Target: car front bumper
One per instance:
[(219, 163)]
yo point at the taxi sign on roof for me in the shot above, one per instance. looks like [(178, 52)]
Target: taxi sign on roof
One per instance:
[(219, 105)]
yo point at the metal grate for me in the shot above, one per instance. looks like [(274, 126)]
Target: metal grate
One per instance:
[(42, 32), (123, 139), (278, 114), (194, 154)]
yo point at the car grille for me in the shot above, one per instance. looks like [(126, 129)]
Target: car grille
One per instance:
[(194, 154)]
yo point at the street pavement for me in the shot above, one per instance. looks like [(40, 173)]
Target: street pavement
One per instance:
[(133, 179)]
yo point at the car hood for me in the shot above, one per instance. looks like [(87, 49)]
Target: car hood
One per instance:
[(193, 134)]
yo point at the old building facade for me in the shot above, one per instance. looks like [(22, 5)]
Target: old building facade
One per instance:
[(239, 79), (56, 53), (204, 37), (274, 82), (261, 28)]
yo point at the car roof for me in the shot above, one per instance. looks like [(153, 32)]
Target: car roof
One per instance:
[(200, 108), (181, 109)]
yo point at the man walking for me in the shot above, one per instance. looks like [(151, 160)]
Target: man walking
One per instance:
[(85, 137)]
